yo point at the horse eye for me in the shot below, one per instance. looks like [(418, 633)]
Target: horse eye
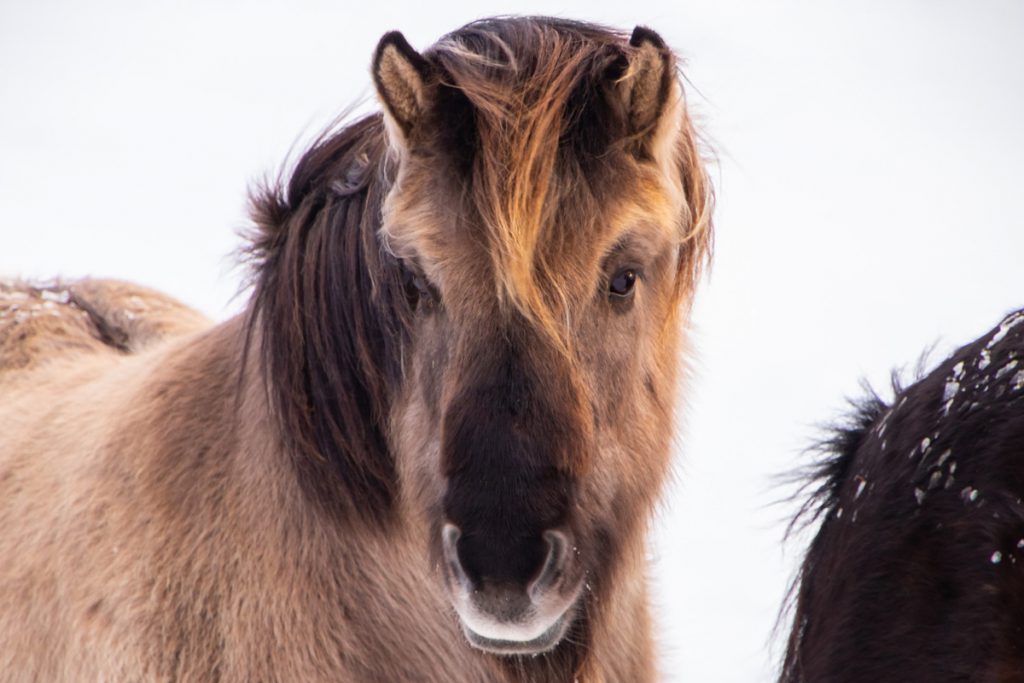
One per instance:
[(422, 288), (416, 287), (621, 285)]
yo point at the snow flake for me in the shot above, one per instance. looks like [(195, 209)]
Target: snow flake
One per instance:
[(969, 494), (1006, 369), (62, 296), (952, 386), (1018, 380), (1005, 327)]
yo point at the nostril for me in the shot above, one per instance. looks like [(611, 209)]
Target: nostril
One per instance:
[(450, 535), (554, 564)]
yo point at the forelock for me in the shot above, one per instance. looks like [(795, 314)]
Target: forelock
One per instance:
[(523, 79)]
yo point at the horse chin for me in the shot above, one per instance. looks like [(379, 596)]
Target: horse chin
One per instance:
[(507, 644)]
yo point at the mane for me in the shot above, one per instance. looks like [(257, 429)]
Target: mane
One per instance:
[(821, 484), (330, 314), (823, 478)]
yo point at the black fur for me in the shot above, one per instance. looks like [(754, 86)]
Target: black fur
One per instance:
[(642, 34), (509, 478), (917, 570)]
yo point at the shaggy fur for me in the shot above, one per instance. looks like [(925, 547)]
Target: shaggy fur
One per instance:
[(431, 340), (917, 570)]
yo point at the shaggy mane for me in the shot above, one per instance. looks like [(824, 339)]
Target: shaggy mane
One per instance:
[(329, 313)]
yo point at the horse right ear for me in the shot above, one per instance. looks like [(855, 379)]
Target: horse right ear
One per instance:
[(645, 87), (402, 76)]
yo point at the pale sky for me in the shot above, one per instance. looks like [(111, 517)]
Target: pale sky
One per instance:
[(870, 157)]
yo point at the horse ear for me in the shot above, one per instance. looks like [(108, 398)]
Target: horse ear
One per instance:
[(401, 75), (647, 82)]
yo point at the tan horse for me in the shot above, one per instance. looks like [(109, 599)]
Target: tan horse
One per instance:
[(430, 448)]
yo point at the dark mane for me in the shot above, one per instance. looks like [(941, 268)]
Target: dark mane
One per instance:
[(328, 312), (820, 482)]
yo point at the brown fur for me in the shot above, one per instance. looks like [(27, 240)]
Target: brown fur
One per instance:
[(430, 338)]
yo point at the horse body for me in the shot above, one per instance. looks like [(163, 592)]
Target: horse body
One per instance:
[(429, 448), (917, 570), (122, 540)]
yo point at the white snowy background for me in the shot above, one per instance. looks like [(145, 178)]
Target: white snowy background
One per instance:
[(870, 163)]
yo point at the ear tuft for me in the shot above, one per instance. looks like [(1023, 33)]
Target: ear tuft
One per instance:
[(401, 75), (648, 80), (642, 34)]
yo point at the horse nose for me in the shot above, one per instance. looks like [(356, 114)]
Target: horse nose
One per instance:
[(553, 570), (504, 617), (450, 536), (535, 566)]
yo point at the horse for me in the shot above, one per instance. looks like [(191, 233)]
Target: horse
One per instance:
[(916, 572), (430, 446)]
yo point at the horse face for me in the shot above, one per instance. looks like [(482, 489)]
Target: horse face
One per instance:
[(536, 464), (533, 426)]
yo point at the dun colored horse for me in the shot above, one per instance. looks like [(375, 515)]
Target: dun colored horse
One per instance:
[(430, 448), (917, 570)]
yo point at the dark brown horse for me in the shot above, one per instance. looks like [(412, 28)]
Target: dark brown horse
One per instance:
[(917, 570), (430, 448)]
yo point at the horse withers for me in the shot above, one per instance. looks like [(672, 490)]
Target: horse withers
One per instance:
[(917, 570), (430, 447)]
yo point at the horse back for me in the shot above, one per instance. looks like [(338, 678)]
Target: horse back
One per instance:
[(40, 322), (917, 570)]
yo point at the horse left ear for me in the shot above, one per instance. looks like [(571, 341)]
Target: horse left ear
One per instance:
[(647, 82), (401, 75)]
